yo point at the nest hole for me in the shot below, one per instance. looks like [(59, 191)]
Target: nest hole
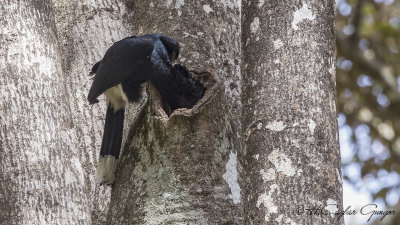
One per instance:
[(183, 89)]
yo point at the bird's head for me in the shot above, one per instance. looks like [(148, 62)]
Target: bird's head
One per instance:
[(172, 47)]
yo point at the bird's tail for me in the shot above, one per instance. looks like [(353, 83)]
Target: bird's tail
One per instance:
[(111, 146)]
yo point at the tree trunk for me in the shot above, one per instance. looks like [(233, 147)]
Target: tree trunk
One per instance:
[(50, 137), (184, 169), (42, 178), (85, 30), (290, 145)]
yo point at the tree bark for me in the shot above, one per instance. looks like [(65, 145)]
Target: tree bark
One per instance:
[(290, 143), (85, 30), (41, 176), (50, 137), (184, 169)]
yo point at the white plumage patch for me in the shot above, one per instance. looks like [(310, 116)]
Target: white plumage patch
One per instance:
[(106, 169), (116, 97)]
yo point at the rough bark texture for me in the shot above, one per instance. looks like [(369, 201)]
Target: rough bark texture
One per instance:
[(184, 169), (167, 173), (42, 180), (291, 152), (85, 30), (50, 137)]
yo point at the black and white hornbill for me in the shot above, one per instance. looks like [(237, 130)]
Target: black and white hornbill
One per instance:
[(119, 75)]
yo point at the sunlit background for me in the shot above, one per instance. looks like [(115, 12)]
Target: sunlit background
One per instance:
[(368, 70)]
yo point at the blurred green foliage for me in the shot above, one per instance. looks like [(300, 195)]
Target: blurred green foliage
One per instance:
[(368, 69)]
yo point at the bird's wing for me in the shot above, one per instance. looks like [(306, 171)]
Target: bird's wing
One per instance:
[(120, 62)]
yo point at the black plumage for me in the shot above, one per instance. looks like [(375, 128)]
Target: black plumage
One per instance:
[(187, 91), (119, 75), (122, 63)]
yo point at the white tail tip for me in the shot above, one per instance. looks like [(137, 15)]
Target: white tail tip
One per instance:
[(106, 169)]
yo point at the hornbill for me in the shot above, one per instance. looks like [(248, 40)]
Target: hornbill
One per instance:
[(119, 75)]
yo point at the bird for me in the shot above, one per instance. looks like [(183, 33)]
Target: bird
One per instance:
[(126, 65)]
